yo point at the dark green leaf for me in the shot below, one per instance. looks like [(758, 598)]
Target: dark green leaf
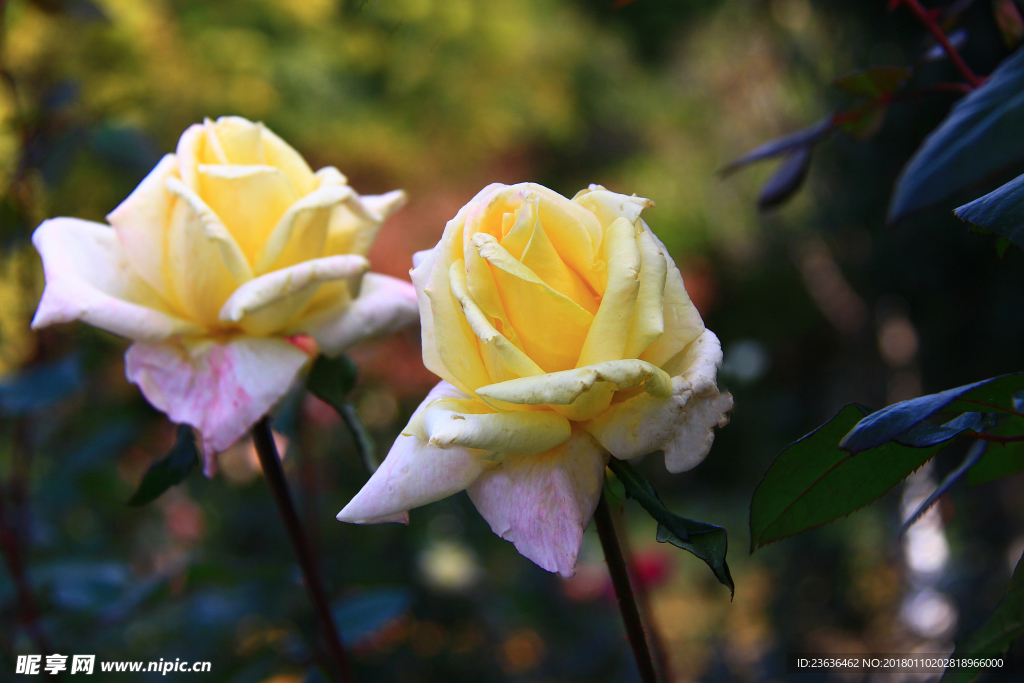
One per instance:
[(996, 635), (787, 179), (169, 470), (873, 81), (783, 145), (362, 615), (706, 541), (814, 482), (40, 386), (332, 379), (980, 137), (974, 454), (1000, 211), (992, 395), (1000, 460)]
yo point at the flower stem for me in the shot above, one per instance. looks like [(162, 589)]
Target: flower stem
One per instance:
[(270, 461), (929, 22), (623, 591)]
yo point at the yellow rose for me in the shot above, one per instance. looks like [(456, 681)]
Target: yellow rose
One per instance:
[(218, 264), (564, 334)]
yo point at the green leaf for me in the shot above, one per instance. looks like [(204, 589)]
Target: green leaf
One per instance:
[(974, 455), (1000, 460), (787, 179), (1000, 212), (814, 481), (873, 81), (169, 470), (332, 380), (990, 395), (996, 635), (980, 137), (784, 145), (707, 541)]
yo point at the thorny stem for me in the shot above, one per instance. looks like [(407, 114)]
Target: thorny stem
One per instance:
[(996, 438), (623, 591), (270, 461), (928, 19)]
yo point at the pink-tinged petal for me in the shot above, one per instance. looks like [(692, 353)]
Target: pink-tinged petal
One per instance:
[(267, 303), (89, 278), (543, 503), (140, 222), (414, 473), (220, 389), (384, 304), (682, 424)]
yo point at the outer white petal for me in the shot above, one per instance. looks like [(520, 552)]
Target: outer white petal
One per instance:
[(384, 304), (88, 278), (543, 503), (562, 388), (220, 389), (415, 473), (682, 424), (266, 303), (524, 433)]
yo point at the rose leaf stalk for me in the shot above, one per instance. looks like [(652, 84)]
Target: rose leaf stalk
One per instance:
[(624, 591), (273, 472)]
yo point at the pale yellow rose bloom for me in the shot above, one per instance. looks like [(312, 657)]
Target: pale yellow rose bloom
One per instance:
[(563, 335), (220, 265)]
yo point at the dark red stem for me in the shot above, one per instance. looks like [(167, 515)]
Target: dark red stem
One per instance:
[(928, 19), (273, 472), (624, 591)]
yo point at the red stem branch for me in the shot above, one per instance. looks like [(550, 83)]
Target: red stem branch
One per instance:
[(928, 19)]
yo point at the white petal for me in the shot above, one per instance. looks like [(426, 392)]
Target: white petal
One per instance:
[(562, 388), (682, 424), (415, 473), (220, 389), (543, 503), (88, 278), (265, 304), (385, 304)]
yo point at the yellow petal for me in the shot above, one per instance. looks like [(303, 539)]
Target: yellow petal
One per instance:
[(606, 340), (609, 206), (301, 233), (283, 156), (649, 313), (683, 323), (266, 304), (451, 422), (563, 388), (354, 227), (204, 265), (502, 360), (550, 325), (575, 234), (249, 200), (141, 221)]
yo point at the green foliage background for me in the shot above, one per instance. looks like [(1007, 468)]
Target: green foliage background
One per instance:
[(440, 98)]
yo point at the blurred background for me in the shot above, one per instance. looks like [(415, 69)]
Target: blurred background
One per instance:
[(817, 304)]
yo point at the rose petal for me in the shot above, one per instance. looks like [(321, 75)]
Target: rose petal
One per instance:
[(470, 424), (89, 278), (415, 473), (249, 200), (265, 304), (563, 388), (301, 233), (682, 424), (531, 305), (353, 231), (384, 304), (204, 264), (220, 389), (140, 222), (683, 323), (610, 206), (606, 339), (543, 503), (648, 322)]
